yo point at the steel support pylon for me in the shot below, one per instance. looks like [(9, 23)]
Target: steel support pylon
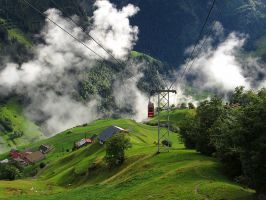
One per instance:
[(163, 125)]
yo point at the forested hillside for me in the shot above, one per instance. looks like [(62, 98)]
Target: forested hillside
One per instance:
[(175, 25)]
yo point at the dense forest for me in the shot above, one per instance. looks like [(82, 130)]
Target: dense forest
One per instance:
[(233, 132), (173, 25)]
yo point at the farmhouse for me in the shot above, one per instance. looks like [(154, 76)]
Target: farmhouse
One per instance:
[(19, 157), (109, 132), (14, 154)]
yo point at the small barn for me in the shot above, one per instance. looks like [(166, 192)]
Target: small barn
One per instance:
[(44, 148), (109, 132)]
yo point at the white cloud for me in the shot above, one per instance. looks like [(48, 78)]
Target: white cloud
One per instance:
[(51, 78), (112, 28), (223, 67), (128, 96)]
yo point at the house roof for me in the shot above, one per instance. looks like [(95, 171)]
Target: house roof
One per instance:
[(109, 132), (45, 146), (17, 154), (35, 157), (83, 141)]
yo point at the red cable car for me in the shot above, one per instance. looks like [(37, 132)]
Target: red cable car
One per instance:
[(150, 110)]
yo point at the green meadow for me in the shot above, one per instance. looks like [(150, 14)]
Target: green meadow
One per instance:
[(83, 174)]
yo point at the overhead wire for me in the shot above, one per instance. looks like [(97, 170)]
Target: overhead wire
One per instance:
[(78, 40), (191, 59), (201, 47), (63, 29), (120, 74), (88, 34), (187, 67)]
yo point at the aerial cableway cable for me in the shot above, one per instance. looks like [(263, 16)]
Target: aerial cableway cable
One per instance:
[(82, 43), (201, 47), (123, 72), (63, 29), (88, 34), (66, 31), (191, 59)]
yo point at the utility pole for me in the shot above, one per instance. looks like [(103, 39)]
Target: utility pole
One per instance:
[(163, 104)]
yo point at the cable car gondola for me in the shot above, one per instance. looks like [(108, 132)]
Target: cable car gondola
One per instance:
[(150, 110)]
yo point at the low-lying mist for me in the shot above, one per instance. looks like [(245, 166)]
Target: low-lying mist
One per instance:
[(51, 79), (222, 64)]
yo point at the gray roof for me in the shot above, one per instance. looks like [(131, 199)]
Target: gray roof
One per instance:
[(109, 132)]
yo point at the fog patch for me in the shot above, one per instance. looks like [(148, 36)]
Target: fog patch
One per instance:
[(222, 65), (50, 80)]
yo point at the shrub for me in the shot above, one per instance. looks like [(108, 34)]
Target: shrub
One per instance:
[(9, 172), (187, 132), (42, 165), (183, 105), (191, 106), (6, 124), (16, 134), (167, 143)]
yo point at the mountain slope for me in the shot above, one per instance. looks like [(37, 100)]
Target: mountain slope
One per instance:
[(175, 25), (179, 174), (172, 25), (15, 128)]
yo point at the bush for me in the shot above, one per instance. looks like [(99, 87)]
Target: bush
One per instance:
[(42, 165), (183, 105), (191, 106), (6, 124), (167, 143), (9, 172), (115, 149), (16, 134), (187, 132)]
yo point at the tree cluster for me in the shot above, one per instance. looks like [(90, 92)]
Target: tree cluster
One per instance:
[(9, 171), (235, 133)]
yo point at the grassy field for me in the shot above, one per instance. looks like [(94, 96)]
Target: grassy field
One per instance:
[(31, 133), (176, 117), (82, 174), (15, 33)]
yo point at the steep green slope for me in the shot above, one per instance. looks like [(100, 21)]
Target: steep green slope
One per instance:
[(167, 28), (176, 117), (15, 129), (14, 33), (82, 174)]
